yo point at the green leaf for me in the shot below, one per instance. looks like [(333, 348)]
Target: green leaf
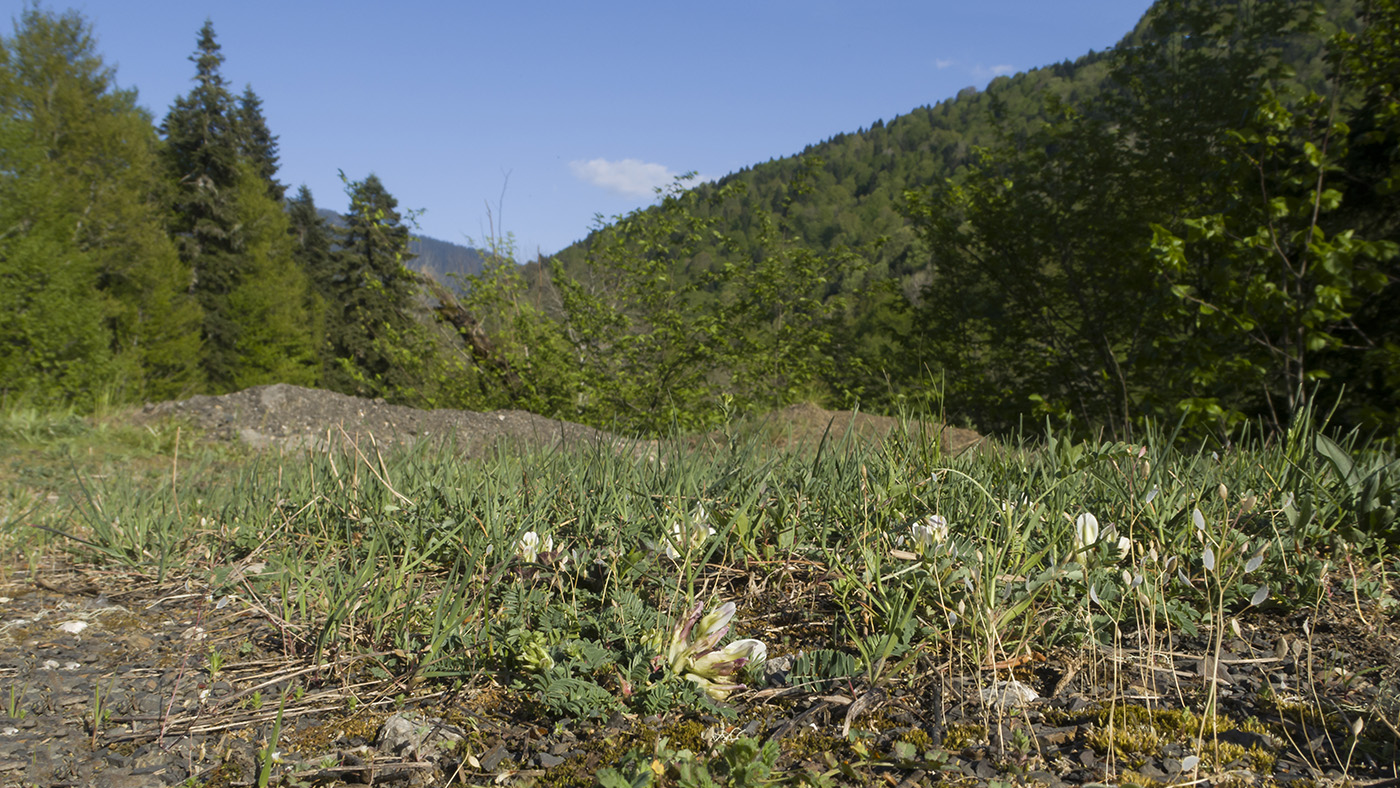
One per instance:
[(1312, 154)]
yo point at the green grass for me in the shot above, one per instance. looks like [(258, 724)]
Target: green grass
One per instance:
[(408, 567)]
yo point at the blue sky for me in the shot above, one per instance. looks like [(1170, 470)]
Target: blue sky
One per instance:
[(554, 112)]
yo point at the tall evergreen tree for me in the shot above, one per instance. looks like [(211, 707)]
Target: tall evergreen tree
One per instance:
[(202, 154), (213, 145), (257, 144), (312, 241), (371, 295)]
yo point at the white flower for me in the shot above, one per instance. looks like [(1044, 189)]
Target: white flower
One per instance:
[(689, 535), (1122, 544), (714, 672), (930, 533), (697, 635), (692, 651), (531, 545), (1086, 531)]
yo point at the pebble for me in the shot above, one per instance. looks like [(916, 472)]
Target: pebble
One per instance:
[(548, 761)]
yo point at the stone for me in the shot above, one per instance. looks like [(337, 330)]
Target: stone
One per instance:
[(1009, 695)]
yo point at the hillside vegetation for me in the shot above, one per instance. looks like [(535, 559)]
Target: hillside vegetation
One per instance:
[(1194, 227)]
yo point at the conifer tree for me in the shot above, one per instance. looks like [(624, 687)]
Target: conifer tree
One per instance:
[(202, 155), (311, 241), (370, 295), (256, 142), (213, 146)]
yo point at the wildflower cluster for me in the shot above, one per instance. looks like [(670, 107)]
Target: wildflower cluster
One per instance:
[(692, 653)]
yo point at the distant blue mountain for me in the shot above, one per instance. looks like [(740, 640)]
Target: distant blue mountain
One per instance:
[(444, 261)]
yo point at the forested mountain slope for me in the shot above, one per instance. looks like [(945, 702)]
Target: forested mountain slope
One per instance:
[(1191, 226), (850, 188)]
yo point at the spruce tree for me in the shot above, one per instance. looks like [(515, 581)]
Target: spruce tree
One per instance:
[(256, 143), (229, 233), (201, 154), (312, 241), (370, 295)]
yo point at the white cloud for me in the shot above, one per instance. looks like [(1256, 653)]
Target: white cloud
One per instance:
[(632, 177), (942, 63), (988, 72)]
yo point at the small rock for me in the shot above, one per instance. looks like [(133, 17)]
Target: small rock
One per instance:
[(411, 735), (493, 758), (547, 761), (1151, 771), (1009, 695)]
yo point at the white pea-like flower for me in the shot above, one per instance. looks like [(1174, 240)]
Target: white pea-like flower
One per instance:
[(930, 533), (1086, 531), (532, 544), (689, 534), (694, 655)]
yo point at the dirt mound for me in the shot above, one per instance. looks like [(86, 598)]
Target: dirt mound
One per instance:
[(297, 417)]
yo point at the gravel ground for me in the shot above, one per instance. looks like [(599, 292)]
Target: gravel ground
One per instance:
[(107, 682)]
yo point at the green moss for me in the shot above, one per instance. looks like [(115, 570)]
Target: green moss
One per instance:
[(812, 746), (684, 735), (580, 769), (1254, 758), (223, 776), (960, 737), (320, 738), (1133, 732), (919, 738)]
